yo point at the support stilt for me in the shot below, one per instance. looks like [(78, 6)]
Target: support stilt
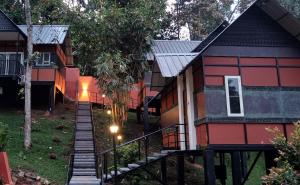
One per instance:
[(236, 168), (209, 170), (180, 170)]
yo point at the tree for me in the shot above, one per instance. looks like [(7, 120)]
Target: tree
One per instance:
[(28, 71), (288, 169), (125, 33)]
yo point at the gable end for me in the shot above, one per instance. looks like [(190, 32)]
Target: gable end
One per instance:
[(255, 28)]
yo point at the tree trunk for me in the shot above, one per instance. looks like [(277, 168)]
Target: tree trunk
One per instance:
[(27, 108)]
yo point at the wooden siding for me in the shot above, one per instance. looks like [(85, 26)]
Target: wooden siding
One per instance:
[(43, 74), (239, 133), (280, 71), (169, 98)]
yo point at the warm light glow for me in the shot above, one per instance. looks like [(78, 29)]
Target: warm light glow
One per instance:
[(114, 129), (108, 112), (84, 96), (103, 95), (119, 137)]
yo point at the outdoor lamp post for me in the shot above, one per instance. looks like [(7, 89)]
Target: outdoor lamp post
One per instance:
[(119, 137), (103, 98), (114, 130)]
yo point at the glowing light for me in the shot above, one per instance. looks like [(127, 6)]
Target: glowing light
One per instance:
[(108, 112), (119, 137), (114, 129), (103, 95)]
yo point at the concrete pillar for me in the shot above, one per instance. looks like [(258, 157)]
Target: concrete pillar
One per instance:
[(180, 87), (190, 108)]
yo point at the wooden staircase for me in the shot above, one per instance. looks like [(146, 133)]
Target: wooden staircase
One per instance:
[(84, 165)]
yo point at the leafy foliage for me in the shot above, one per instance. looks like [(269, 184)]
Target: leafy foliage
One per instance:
[(288, 161), (128, 154), (125, 31)]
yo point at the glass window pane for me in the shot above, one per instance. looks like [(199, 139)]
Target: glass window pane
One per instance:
[(235, 105), (2, 57), (233, 87), (46, 57)]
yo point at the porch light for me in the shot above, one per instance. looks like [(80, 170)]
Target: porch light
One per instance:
[(114, 129), (119, 137)]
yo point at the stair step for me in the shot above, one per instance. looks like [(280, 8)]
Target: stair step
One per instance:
[(159, 154), (131, 166), (84, 180), (84, 170), (142, 162), (107, 176), (84, 164), (84, 173), (123, 170), (113, 173), (85, 160), (152, 158), (167, 151)]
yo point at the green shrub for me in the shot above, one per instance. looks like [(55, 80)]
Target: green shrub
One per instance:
[(3, 135), (128, 154), (288, 161)]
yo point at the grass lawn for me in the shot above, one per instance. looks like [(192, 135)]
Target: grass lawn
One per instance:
[(43, 131)]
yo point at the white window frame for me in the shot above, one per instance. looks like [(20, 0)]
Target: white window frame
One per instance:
[(228, 98), (43, 60), (20, 53)]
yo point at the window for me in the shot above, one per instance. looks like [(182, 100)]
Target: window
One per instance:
[(44, 60), (1, 91), (234, 97)]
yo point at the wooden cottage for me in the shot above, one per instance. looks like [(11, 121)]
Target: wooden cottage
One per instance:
[(48, 76), (243, 78)]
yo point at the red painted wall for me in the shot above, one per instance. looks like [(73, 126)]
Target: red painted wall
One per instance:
[(235, 133), (253, 71)]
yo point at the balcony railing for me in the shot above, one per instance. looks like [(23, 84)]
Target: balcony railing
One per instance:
[(10, 67)]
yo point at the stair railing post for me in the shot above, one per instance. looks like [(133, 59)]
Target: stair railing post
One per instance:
[(139, 146), (146, 148), (105, 165)]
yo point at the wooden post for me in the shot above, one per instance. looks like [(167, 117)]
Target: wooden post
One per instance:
[(236, 168), (180, 170), (190, 108), (181, 112), (163, 168), (209, 167), (244, 164), (52, 98)]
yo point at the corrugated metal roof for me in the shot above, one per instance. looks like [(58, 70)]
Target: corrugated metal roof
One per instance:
[(47, 34), (171, 46), (167, 66), (171, 64)]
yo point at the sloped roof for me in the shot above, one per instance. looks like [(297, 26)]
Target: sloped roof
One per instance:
[(9, 30), (47, 34), (171, 46), (211, 36), (289, 22), (171, 64)]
